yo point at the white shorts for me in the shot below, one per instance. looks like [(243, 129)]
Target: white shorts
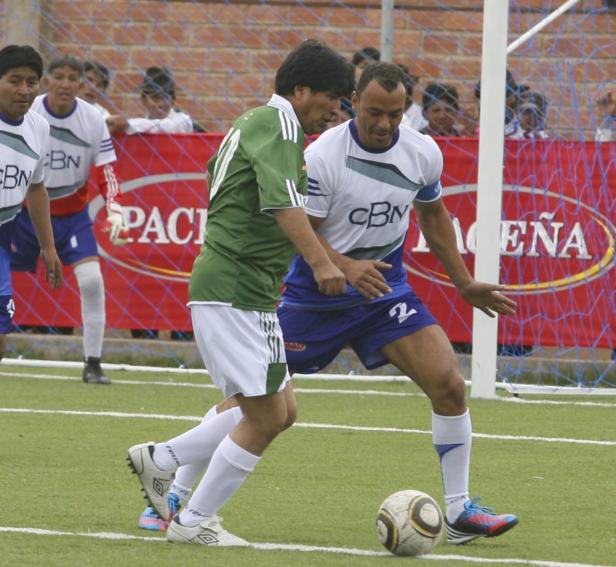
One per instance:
[(243, 350)]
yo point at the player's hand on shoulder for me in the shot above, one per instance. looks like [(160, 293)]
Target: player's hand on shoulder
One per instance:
[(53, 267), (367, 278), (330, 279), (486, 297)]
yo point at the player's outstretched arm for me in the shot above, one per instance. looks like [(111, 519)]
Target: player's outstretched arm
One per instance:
[(294, 223), (438, 230), (38, 206)]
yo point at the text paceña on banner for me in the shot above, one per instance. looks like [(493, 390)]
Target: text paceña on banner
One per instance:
[(557, 241)]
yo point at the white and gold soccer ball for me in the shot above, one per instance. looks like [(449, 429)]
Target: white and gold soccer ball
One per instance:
[(409, 522)]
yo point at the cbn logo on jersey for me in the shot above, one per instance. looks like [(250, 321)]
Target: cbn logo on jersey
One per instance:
[(14, 177), (58, 160), (165, 215), (380, 213), (548, 241)]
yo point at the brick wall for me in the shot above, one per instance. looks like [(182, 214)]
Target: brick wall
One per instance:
[(224, 55)]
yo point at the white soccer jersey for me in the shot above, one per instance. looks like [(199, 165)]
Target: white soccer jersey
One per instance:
[(365, 198), (22, 152), (79, 140)]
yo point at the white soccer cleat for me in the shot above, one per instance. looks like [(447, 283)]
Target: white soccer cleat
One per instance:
[(155, 482), (208, 532)]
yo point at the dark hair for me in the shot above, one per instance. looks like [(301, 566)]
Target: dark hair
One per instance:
[(511, 86), (13, 56), (314, 65), (99, 69), (66, 61), (439, 92), (158, 81), (534, 102), (372, 54), (388, 75)]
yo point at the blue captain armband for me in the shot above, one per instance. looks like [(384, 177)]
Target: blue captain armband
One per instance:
[(430, 192)]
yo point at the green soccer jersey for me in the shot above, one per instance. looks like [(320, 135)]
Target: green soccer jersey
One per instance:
[(258, 168)]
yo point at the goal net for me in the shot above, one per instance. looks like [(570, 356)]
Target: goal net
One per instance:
[(559, 202)]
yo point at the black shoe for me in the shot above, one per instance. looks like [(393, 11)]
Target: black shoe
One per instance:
[(93, 373)]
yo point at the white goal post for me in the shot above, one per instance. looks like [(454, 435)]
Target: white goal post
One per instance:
[(490, 178)]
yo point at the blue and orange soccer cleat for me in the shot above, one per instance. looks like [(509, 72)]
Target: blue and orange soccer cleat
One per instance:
[(478, 521), (150, 520)]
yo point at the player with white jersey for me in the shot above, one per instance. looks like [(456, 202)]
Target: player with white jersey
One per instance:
[(24, 137), (79, 140), (363, 178)]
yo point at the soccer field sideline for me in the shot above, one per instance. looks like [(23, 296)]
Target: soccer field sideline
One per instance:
[(316, 377), (301, 425), (309, 548)]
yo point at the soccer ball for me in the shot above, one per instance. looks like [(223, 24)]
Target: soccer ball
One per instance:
[(409, 522)]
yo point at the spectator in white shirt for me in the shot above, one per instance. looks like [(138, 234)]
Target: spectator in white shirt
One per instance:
[(413, 113), (531, 112), (158, 98)]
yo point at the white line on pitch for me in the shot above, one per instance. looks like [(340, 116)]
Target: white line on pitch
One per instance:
[(308, 425), (305, 548), (299, 390)]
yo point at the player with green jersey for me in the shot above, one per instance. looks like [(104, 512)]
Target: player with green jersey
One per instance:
[(256, 222), (246, 252)]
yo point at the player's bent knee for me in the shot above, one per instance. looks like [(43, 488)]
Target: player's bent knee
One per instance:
[(448, 393)]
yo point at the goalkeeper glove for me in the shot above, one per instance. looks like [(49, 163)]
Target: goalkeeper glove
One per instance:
[(118, 231)]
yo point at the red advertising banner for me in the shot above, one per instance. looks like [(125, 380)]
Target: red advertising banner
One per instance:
[(557, 241)]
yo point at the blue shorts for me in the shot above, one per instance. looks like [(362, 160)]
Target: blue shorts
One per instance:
[(72, 234), (7, 307), (7, 310), (314, 338)]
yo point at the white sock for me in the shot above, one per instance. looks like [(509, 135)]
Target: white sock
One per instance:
[(186, 475), (452, 437), (92, 293), (197, 444), (229, 468)]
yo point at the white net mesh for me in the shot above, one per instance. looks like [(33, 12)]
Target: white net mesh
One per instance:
[(558, 231)]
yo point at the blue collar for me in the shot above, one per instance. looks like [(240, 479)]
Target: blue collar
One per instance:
[(355, 135), (10, 122), (46, 105)]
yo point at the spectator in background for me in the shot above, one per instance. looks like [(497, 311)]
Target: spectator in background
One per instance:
[(607, 116), (413, 116), (363, 58), (532, 109), (95, 85), (158, 99), (512, 93), (440, 109)]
